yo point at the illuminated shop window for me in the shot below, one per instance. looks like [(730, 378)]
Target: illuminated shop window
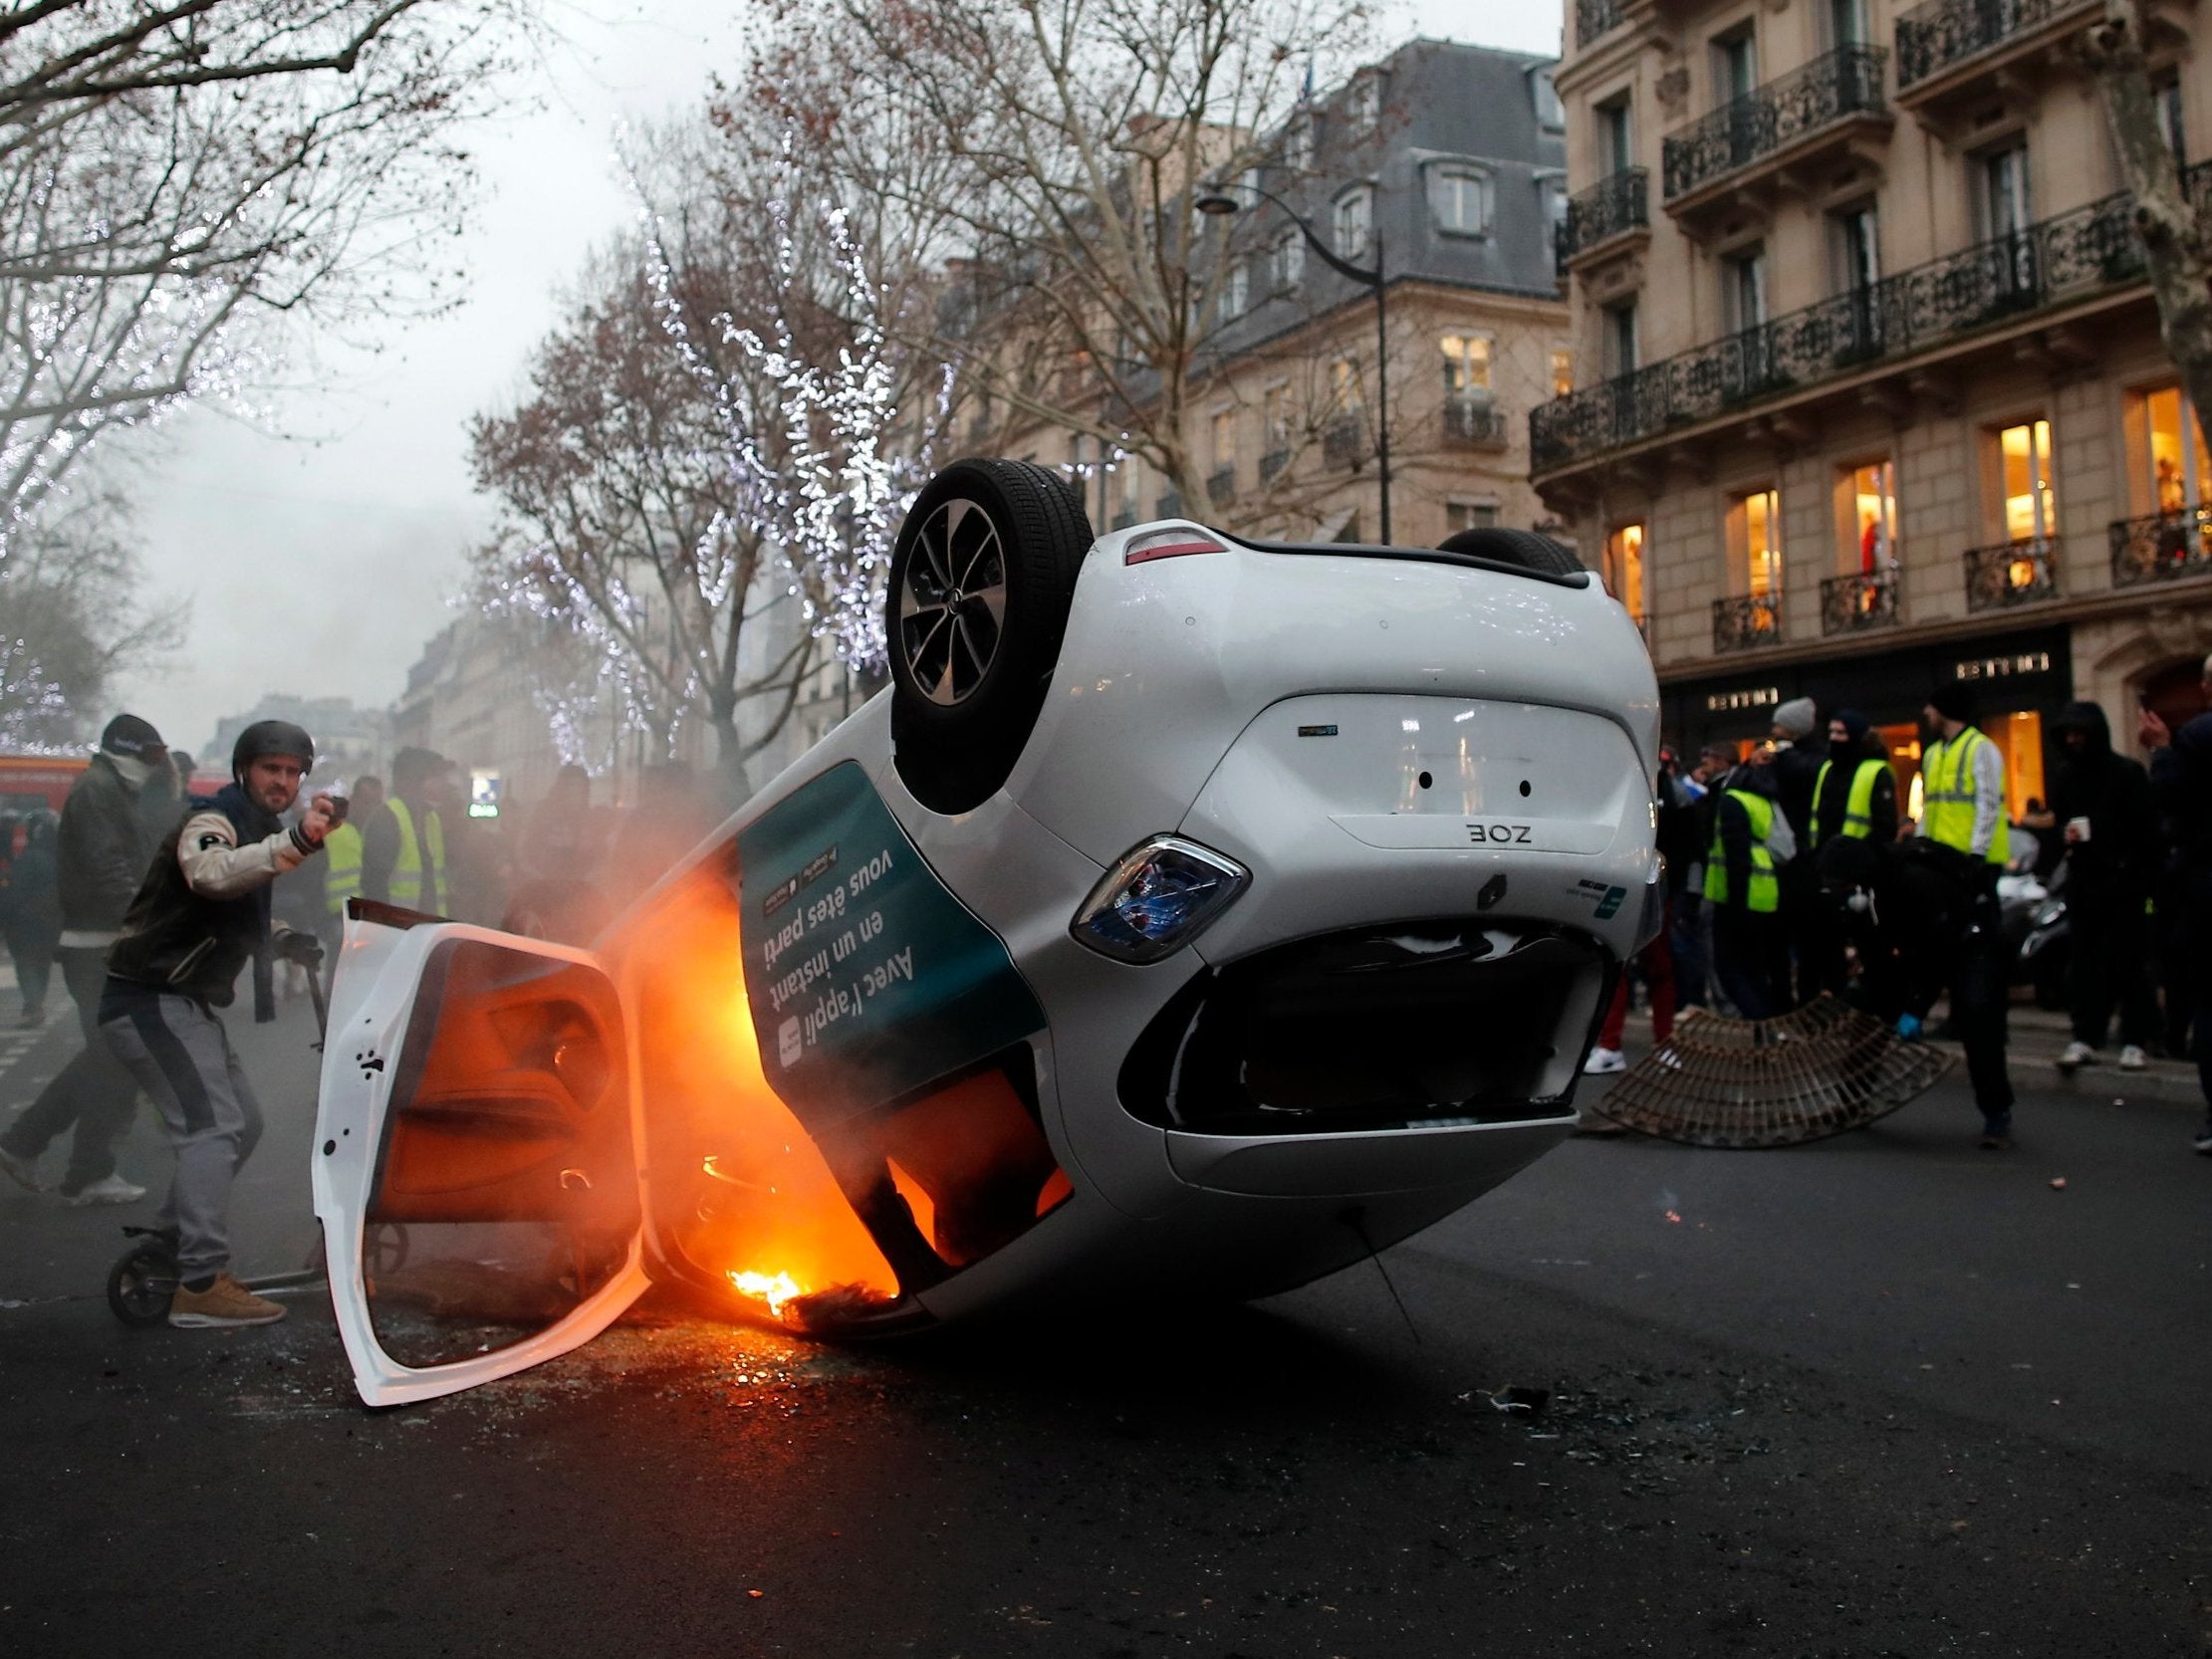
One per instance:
[(2031, 505), (1466, 365), (1755, 542), (2179, 465), (1872, 494), (1562, 373)]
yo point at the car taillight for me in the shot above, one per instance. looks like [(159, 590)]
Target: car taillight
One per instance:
[(1169, 544), (1157, 898)]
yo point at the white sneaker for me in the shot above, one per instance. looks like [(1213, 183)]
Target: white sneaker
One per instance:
[(2133, 1058), (108, 1189), (2078, 1054), (1604, 1061)]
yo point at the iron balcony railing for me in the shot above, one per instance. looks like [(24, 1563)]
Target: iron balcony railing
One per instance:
[(2162, 547), (1933, 36), (1613, 205), (2011, 573), (1342, 442), (1593, 18), (1747, 622), (1273, 462), (1221, 485), (1862, 600), (1475, 422), (2063, 258), (1845, 82)]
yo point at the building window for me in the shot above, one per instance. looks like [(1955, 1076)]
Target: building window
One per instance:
[(1870, 518), (1363, 105), (1623, 572), (1354, 224), (2024, 469), (1469, 515), (1555, 212), (1225, 440), (1846, 22), (1755, 542), (2178, 463), (1854, 236), (1744, 288), (1287, 262), (1563, 371), (1344, 384), (1235, 297), (1275, 417), (1615, 139), (1459, 197), (1735, 66), (1298, 142), (2166, 94), (1551, 114), (2001, 190), (1619, 324), (1466, 365)]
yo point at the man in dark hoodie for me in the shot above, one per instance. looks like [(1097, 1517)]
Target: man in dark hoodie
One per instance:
[(2181, 781), (116, 815), (201, 915), (2106, 820)]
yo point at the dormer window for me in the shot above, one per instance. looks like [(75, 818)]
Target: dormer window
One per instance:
[(1353, 223), (1364, 103), (1459, 200)]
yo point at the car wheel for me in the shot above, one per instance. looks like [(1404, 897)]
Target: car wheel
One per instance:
[(980, 584), (1522, 548)]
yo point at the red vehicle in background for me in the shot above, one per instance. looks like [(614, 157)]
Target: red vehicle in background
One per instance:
[(30, 781)]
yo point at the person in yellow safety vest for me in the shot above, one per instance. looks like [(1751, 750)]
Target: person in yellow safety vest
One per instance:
[(1962, 781), (403, 846), (1854, 798), (342, 861), (1751, 841)]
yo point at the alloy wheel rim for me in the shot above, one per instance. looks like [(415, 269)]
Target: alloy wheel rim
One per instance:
[(952, 603)]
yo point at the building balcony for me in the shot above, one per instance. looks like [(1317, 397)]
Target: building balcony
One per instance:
[(2011, 573), (1596, 18), (1221, 485), (2071, 257), (1953, 50), (2162, 547), (1774, 133), (1858, 601), (1168, 505), (1273, 462), (1746, 622), (1344, 442), (1474, 423), (1605, 218)]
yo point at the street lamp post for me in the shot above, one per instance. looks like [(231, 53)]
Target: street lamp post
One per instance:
[(1217, 205)]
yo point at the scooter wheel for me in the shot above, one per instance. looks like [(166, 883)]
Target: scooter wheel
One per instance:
[(140, 1286)]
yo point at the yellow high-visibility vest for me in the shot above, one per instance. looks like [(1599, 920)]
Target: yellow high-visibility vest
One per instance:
[(1766, 894), (1858, 806), (341, 867), (1947, 797), (410, 889)]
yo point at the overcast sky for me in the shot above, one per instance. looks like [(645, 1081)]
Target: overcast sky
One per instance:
[(319, 562)]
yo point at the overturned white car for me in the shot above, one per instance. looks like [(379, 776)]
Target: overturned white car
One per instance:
[(1191, 913)]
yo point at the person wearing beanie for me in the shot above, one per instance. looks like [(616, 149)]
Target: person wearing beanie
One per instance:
[(117, 813), (1962, 812), (199, 916), (1792, 721), (1795, 766)]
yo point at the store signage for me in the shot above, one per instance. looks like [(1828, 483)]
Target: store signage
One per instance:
[(1730, 702), (2002, 667)]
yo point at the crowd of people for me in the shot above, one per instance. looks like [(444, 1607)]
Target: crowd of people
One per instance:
[(1795, 870), (153, 903)]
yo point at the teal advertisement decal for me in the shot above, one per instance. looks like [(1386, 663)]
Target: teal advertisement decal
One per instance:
[(866, 978)]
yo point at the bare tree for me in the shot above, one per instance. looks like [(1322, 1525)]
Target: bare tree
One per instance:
[(1067, 140), (2176, 232), (72, 618), (718, 431), (180, 183)]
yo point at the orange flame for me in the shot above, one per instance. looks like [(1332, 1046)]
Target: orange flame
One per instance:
[(777, 1289)]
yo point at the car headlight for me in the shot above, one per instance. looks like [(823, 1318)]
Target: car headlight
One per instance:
[(1158, 896)]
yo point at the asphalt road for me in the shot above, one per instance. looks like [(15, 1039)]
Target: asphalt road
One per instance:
[(1884, 1395)]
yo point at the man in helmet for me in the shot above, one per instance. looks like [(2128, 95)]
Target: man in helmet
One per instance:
[(201, 915)]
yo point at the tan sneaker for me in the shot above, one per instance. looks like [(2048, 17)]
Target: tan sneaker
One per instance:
[(223, 1303)]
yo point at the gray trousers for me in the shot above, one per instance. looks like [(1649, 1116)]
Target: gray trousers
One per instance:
[(92, 1093), (182, 1057)]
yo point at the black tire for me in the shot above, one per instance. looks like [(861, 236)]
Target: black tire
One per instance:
[(980, 584), (140, 1286), (1522, 548)]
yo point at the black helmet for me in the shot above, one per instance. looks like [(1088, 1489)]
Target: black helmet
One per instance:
[(271, 737)]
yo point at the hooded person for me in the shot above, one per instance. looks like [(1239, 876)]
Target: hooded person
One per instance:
[(1751, 842), (2109, 826), (201, 915), (116, 815)]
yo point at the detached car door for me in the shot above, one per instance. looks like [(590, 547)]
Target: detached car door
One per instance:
[(475, 1166)]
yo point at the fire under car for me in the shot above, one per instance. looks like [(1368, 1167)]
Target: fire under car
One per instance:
[(1190, 913)]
